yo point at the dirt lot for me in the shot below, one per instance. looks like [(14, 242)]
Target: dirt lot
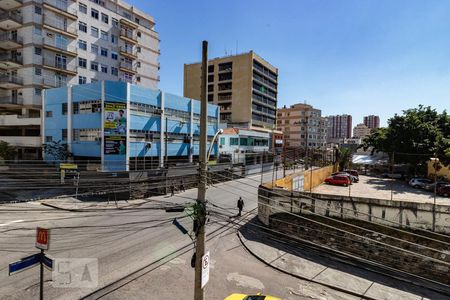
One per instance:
[(375, 187)]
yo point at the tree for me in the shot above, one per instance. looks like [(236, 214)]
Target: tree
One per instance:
[(414, 137), (57, 150), (7, 152), (343, 157)]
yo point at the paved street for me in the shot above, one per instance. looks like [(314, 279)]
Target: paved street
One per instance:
[(376, 187)]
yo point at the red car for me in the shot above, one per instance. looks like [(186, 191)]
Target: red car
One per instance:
[(443, 190), (338, 180)]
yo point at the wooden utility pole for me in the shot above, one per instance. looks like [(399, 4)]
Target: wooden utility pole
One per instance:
[(201, 199)]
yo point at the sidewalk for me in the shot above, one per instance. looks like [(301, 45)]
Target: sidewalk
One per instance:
[(319, 269)]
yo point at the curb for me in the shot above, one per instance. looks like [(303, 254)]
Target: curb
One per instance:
[(243, 240)]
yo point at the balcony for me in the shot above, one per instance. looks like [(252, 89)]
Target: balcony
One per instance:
[(51, 63), (10, 41), (266, 82), (60, 8), (10, 20), (51, 45), (128, 23), (9, 100), (127, 67), (15, 120), (60, 27), (264, 71), (128, 52), (53, 82), (10, 4), (10, 61), (22, 141), (128, 35), (8, 81)]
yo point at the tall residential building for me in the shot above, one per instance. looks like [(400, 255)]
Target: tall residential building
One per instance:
[(361, 131), (54, 43), (302, 125), (244, 86), (372, 121), (339, 128)]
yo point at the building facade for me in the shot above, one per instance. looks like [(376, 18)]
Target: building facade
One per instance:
[(339, 128), (54, 43), (245, 86), (361, 131), (372, 121), (122, 124), (302, 126), (243, 146)]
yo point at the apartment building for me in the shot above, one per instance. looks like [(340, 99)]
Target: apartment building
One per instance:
[(361, 131), (53, 43), (245, 86), (339, 128), (372, 121), (302, 126)]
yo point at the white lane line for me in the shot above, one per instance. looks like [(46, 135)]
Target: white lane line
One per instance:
[(12, 222)]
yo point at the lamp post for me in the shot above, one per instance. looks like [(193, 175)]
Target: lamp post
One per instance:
[(435, 161), (220, 131)]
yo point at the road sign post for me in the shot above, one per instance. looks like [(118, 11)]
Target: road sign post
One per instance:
[(205, 269)]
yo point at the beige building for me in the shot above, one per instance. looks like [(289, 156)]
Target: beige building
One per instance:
[(302, 126), (245, 86), (361, 131), (54, 43)]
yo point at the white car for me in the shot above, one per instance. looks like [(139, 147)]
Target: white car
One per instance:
[(419, 182)]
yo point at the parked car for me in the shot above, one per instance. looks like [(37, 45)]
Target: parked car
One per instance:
[(393, 175), (250, 297), (352, 172), (419, 182), (430, 187), (338, 180), (352, 178), (444, 190)]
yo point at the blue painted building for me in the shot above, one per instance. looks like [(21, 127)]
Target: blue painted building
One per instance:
[(125, 125)]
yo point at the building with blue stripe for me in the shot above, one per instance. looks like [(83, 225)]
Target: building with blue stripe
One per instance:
[(125, 125)]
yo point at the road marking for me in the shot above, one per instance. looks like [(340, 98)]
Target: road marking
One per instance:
[(12, 222)]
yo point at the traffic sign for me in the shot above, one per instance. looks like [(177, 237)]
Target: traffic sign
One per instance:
[(24, 263), (42, 238), (205, 269), (48, 262)]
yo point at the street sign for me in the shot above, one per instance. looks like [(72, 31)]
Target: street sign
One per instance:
[(48, 262), (42, 238), (24, 263), (205, 269)]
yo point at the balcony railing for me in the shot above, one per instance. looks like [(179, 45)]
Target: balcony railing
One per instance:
[(63, 47), (9, 15), (11, 100), (127, 65), (11, 58), (54, 82), (61, 6), (128, 34), (15, 79), (128, 50), (69, 66), (8, 37), (61, 25)]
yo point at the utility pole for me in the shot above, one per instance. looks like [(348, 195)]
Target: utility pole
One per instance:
[(262, 165), (201, 199), (165, 148)]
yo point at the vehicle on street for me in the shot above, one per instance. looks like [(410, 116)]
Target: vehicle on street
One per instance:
[(352, 177), (419, 182), (250, 297), (443, 190), (393, 175), (352, 172), (430, 187), (339, 180)]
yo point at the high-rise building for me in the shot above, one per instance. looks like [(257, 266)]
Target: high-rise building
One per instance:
[(339, 128), (54, 43), (372, 121), (244, 86), (361, 131), (302, 125)]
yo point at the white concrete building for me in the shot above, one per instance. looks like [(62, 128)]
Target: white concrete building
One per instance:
[(54, 43), (361, 131)]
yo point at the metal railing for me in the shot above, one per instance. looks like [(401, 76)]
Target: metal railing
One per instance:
[(127, 65), (67, 66), (128, 50), (11, 100), (11, 58), (54, 82), (6, 78), (128, 33), (9, 15), (9, 37), (61, 6), (52, 42), (61, 25)]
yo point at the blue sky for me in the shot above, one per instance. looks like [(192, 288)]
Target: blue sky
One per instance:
[(350, 56)]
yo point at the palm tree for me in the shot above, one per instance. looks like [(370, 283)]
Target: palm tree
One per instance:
[(343, 157)]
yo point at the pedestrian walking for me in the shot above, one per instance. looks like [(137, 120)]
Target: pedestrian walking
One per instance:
[(172, 190), (240, 205), (182, 186)]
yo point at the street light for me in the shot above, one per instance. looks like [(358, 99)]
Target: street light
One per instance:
[(435, 161), (220, 131)]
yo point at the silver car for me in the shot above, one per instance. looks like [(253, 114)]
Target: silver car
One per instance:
[(419, 182)]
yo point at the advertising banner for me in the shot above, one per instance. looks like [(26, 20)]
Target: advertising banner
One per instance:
[(115, 128), (115, 145)]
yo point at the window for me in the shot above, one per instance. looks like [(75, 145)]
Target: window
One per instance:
[(37, 51), (234, 141), (243, 142), (138, 78), (138, 49), (75, 108), (94, 13), (127, 77), (48, 114), (105, 18), (104, 52), (94, 48), (138, 64), (104, 35), (38, 10), (222, 141), (48, 139), (211, 88), (136, 20), (226, 66), (94, 66), (114, 71), (93, 80), (114, 55), (210, 97), (82, 45), (64, 134), (38, 91), (104, 68), (64, 108), (114, 39), (211, 69), (139, 34), (211, 78), (94, 31), (99, 2), (37, 31), (82, 79), (114, 22), (82, 62), (38, 71), (82, 26), (82, 8)]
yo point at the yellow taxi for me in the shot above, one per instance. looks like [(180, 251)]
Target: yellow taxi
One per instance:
[(250, 297)]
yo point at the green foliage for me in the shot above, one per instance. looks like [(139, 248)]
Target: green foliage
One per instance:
[(414, 137), (57, 150), (343, 157), (6, 151)]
